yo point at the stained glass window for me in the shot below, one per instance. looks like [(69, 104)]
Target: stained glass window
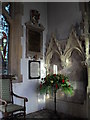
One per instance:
[(7, 8), (4, 39)]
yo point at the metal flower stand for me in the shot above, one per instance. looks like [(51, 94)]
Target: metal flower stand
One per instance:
[(55, 101)]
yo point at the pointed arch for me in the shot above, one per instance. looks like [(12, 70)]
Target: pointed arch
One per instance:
[(69, 52)]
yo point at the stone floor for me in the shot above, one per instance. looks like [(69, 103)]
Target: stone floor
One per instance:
[(47, 115), (43, 114)]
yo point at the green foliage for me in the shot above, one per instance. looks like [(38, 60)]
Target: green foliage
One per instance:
[(55, 82)]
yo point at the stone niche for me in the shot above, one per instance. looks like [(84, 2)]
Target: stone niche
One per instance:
[(69, 57)]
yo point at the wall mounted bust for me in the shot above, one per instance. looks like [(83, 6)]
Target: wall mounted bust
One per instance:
[(34, 37)]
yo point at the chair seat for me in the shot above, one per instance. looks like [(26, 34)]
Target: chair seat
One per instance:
[(11, 108)]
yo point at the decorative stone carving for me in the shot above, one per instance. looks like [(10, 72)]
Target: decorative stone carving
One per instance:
[(71, 62), (64, 53)]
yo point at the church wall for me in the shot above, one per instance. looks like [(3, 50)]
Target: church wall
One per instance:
[(60, 18), (28, 87), (60, 21)]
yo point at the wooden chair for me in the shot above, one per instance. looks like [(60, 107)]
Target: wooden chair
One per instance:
[(7, 106)]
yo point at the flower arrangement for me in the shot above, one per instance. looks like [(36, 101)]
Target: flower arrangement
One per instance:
[(55, 82)]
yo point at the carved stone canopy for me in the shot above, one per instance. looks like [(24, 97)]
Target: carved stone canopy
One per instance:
[(64, 48)]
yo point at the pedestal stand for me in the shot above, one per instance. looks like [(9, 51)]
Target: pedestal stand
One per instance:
[(55, 101)]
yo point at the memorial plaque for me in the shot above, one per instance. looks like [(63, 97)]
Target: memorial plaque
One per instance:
[(34, 41), (34, 69)]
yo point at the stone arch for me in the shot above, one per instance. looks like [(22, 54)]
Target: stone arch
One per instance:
[(49, 57), (69, 52)]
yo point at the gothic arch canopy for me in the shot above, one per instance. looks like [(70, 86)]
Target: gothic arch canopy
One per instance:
[(71, 44)]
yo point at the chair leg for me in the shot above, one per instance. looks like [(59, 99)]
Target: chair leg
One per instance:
[(24, 115), (12, 116), (5, 115)]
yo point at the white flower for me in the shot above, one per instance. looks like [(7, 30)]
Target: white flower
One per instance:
[(51, 81)]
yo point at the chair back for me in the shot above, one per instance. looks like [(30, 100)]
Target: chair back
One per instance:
[(5, 89)]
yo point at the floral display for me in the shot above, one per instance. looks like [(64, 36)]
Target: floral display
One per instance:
[(55, 82)]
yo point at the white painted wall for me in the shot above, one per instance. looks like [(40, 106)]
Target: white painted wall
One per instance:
[(28, 87)]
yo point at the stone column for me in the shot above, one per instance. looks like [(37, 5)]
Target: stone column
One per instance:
[(87, 48), (88, 79), (87, 40), (88, 70), (88, 94)]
